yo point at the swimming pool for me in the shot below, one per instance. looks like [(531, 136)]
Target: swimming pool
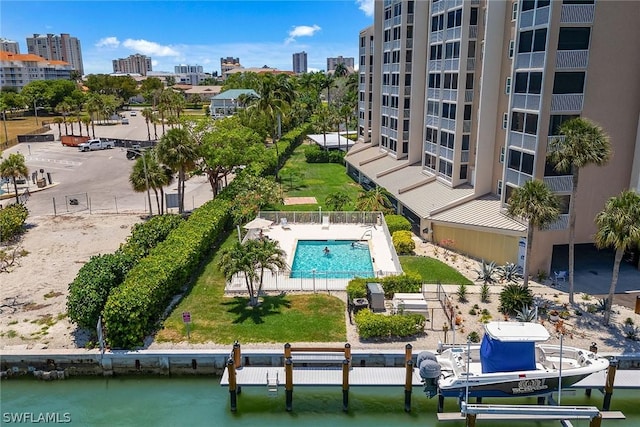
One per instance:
[(344, 259)]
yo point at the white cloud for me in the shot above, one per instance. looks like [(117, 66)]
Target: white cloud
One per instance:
[(154, 63), (111, 42), (366, 6), (302, 31), (149, 48)]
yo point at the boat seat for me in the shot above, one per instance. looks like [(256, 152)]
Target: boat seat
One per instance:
[(541, 358)]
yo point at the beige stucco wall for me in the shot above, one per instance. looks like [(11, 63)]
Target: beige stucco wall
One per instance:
[(478, 244)]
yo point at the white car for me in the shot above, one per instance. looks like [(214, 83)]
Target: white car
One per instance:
[(95, 144), (133, 113)]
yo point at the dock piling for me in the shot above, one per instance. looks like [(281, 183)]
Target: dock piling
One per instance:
[(288, 369), (608, 385), (408, 385), (237, 356), (345, 384), (232, 385)]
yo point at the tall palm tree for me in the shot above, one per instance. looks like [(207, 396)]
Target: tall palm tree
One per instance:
[(158, 176), (581, 143), (268, 256), (340, 70), (324, 118), (86, 121), (93, 104), (376, 199), (58, 120), (236, 259), (147, 113), (327, 83), (177, 150), (618, 227), (64, 108), (538, 206), (14, 167)]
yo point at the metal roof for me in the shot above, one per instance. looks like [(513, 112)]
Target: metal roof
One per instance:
[(332, 140), (481, 212), (435, 195), (235, 93), (406, 177)]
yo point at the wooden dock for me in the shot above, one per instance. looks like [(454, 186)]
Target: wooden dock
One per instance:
[(322, 376), (624, 379)]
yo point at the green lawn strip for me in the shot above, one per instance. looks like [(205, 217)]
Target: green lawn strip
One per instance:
[(432, 270), (302, 179), (279, 319)]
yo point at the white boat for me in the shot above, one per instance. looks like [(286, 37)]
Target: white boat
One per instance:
[(512, 360)]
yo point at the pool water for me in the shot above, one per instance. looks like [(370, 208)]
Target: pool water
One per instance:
[(344, 259)]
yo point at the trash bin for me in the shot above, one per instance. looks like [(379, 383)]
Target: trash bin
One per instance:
[(42, 183)]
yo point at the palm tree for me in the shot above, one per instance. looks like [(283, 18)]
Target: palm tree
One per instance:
[(618, 226), (340, 70), (535, 203), (64, 108), (14, 167), (336, 201), (581, 143), (373, 200), (177, 150), (86, 121), (268, 256), (324, 118), (147, 113), (58, 120), (93, 104), (234, 260), (158, 175), (327, 83)]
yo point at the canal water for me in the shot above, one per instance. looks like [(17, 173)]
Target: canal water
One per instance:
[(203, 402)]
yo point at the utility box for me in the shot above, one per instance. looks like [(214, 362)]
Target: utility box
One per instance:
[(375, 296)]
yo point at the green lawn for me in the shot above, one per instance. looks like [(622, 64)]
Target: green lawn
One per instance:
[(432, 270), (299, 178), (279, 319)]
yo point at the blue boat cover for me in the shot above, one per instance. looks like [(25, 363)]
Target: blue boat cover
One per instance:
[(501, 356)]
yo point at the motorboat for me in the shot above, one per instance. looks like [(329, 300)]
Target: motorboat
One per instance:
[(512, 360)]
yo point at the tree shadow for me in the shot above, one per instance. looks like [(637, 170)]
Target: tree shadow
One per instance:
[(269, 305)]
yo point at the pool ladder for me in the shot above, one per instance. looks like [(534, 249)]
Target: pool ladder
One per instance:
[(272, 384), (365, 234)]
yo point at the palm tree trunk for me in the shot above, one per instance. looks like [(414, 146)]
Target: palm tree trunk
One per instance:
[(162, 118), (148, 131), (572, 232), (15, 187), (528, 254), (180, 187), (93, 128), (614, 282), (155, 191)]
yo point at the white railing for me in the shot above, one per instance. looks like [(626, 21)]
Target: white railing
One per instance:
[(568, 102), (559, 184), (569, 59), (577, 13), (561, 223)]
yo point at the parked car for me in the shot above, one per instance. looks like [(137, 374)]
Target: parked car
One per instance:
[(136, 151), (133, 113), (95, 144), (125, 121)]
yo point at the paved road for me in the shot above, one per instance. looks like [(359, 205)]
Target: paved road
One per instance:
[(98, 180)]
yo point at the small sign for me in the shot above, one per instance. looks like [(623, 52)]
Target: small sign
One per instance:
[(186, 317)]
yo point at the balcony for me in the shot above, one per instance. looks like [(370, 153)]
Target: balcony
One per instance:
[(471, 64), (433, 93), (466, 126), (435, 65), (567, 102), (570, 59), (468, 95), (561, 223), (577, 13), (464, 156), (559, 184), (453, 33), (473, 31), (430, 147), (449, 94)]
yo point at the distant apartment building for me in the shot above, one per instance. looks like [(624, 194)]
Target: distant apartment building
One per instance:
[(332, 63), (61, 47), (133, 64), (190, 74), (9, 46), (188, 69), (458, 100), (17, 70), (227, 64), (300, 62)]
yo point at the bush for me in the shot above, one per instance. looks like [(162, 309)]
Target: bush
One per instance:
[(90, 289), (513, 297), (373, 325), (316, 154), (402, 242), (397, 223), (12, 220), (405, 283), (357, 288)]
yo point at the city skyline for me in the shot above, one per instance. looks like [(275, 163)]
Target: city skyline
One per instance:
[(259, 32)]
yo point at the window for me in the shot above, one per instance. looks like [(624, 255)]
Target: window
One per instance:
[(465, 142), (407, 103), (471, 52), (467, 112), (556, 120), (387, 35), (410, 31), (514, 10), (469, 84), (395, 78), (407, 79), (473, 19), (524, 122), (394, 102), (507, 86), (532, 41), (512, 48), (454, 18), (507, 193), (572, 82), (431, 135), (437, 22), (505, 120), (386, 57), (448, 111), (410, 6), (499, 188), (362, 42), (451, 80), (434, 80), (396, 33), (429, 161), (574, 38), (445, 168), (447, 139), (463, 171), (528, 5), (433, 108), (528, 82), (452, 50), (501, 154), (397, 9), (409, 56), (520, 161), (436, 51), (387, 14)]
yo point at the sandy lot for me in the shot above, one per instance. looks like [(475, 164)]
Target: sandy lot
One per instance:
[(33, 294)]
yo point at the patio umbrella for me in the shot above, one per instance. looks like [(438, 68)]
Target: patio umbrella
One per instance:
[(258, 223)]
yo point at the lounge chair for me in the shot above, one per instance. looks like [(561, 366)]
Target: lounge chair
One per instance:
[(558, 276), (284, 224), (325, 222)]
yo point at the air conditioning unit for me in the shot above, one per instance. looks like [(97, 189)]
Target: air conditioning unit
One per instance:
[(375, 296)]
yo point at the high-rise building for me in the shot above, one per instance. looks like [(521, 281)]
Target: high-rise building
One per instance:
[(133, 64), (9, 46), (57, 48), (300, 62), (464, 99), (332, 63), (228, 63)]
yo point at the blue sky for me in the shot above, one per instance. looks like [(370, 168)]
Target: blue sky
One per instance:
[(195, 31)]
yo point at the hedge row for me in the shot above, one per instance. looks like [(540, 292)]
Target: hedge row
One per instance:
[(285, 146), (406, 283), (133, 308), (89, 290), (397, 223), (315, 154), (372, 325), (12, 220)]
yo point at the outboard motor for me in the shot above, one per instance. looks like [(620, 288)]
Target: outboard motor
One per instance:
[(429, 372)]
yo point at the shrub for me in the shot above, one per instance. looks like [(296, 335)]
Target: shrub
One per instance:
[(406, 283), (402, 242), (12, 220), (509, 272), (485, 293), (487, 273), (373, 325), (474, 337), (316, 154), (462, 293), (357, 288), (397, 223), (513, 297)]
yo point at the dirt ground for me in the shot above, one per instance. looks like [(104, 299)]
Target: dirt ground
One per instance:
[(33, 294)]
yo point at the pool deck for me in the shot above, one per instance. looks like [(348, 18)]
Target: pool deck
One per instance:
[(379, 247)]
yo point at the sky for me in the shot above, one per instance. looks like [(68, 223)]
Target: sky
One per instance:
[(195, 32)]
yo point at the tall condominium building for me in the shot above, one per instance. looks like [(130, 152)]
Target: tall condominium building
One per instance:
[(300, 62), (467, 94), (57, 48), (228, 63), (133, 64), (188, 69), (332, 63), (17, 70), (9, 46)]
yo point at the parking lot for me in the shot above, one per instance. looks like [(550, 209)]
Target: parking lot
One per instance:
[(97, 180)]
